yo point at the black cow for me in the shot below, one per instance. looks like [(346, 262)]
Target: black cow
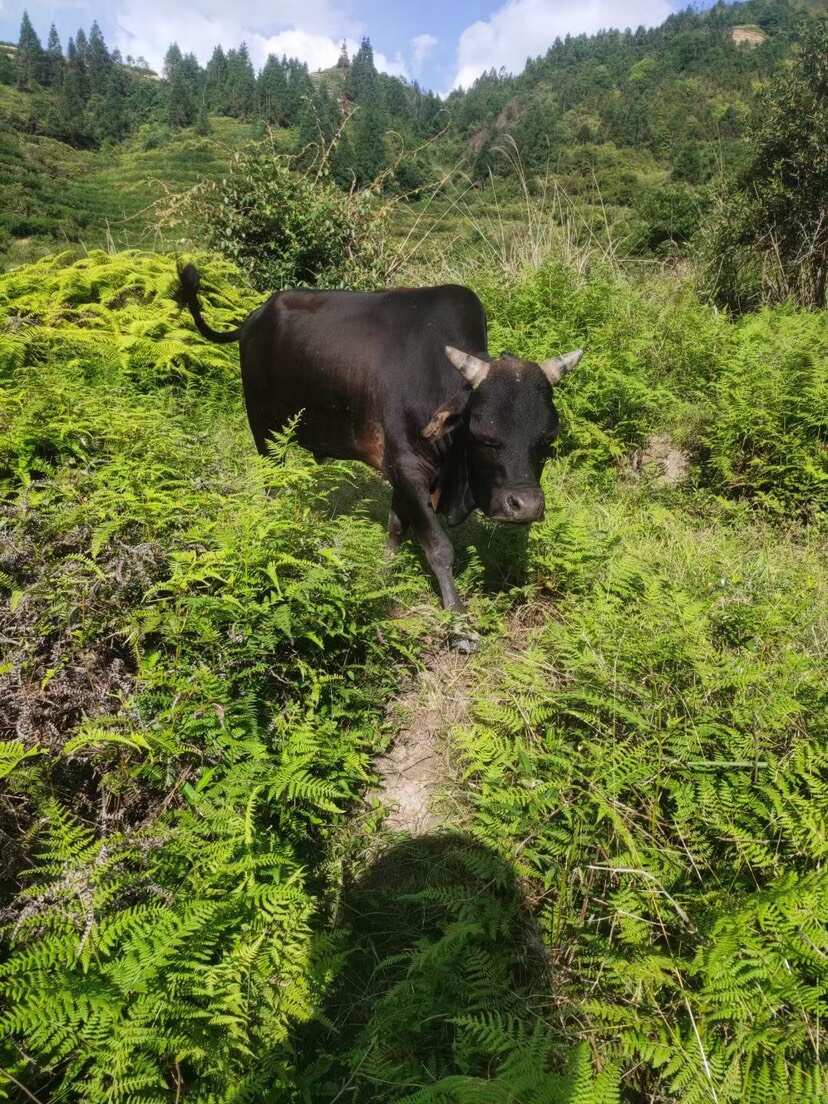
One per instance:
[(402, 380)]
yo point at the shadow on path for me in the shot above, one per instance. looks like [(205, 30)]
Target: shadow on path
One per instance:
[(443, 976)]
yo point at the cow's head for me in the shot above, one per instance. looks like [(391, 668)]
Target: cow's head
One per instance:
[(512, 423)]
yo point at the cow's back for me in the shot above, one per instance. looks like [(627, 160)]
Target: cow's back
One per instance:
[(356, 364)]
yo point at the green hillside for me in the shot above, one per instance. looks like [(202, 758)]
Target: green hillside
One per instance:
[(636, 128), (55, 195)]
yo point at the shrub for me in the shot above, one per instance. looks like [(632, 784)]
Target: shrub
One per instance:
[(768, 240), (287, 229), (669, 214)]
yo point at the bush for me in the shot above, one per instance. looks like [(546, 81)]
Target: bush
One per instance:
[(286, 229), (669, 215), (768, 239)]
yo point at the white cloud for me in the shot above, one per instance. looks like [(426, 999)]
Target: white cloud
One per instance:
[(421, 47), (395, 66), (526, 28), (312, 30)]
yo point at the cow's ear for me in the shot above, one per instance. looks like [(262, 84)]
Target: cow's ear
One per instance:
[(445, 417), (556, 367), (471, 368)]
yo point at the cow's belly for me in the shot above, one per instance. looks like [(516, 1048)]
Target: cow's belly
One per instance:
[(339, 432), (329, 427)]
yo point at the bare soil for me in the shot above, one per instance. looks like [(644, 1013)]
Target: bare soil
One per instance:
[(747, 35), (417, 767), (664, 460)]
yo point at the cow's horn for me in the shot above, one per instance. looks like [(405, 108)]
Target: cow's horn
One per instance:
[(556, 367), (471, 368)]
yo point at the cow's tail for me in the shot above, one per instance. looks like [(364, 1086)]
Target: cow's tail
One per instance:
[(186, 295)]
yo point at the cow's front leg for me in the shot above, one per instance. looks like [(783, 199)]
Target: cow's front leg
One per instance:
[(439, 554), (411, 504), (397, 524)]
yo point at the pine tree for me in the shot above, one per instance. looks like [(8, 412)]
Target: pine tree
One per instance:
[(216, 81), (81, 45), (172, 61), (54, 58), (98, 61), (181, 110), (367, 137), (182, 74), (361, 83), (241, 83), (30, 55), (113, 121), (70, 102), (272, 90), (368, 143), (299, 87)]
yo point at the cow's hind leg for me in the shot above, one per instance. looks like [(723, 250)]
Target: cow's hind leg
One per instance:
[(397, 525)]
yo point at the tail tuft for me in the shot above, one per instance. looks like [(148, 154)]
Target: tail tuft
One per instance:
[(186, 295), (189, 282)]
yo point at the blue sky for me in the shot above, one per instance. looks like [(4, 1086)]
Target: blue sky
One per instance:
[(441, 43)]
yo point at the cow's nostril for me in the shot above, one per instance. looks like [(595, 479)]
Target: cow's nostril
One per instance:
[(514, 504)]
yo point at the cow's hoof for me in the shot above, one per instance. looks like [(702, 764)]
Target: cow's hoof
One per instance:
[(464, 642)]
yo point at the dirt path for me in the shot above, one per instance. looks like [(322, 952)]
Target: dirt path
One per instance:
[(416, 768)]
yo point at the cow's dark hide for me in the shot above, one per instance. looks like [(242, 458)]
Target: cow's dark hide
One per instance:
[(403, 381)]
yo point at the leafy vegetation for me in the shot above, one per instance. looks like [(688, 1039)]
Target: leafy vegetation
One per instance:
[(653, 763), (195, 691), (198, 671), (286, 229), (198, 646), (769, 240)]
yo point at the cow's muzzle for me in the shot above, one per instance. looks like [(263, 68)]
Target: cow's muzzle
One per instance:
[(518, 505)]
